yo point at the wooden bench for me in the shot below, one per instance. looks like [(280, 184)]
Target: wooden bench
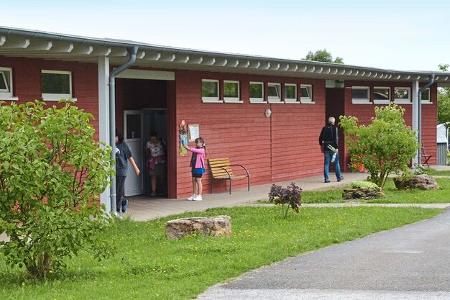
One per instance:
[(425, 157), (220, 169)]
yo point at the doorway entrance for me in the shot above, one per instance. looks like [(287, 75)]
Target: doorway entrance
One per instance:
[(139, 126), (142, 111), (335, 107), (133, 136)]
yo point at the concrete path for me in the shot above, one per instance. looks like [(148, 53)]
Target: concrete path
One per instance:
[(144, 208), (410, 262)]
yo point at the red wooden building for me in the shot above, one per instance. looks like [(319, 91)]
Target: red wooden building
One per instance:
[(229, 96)]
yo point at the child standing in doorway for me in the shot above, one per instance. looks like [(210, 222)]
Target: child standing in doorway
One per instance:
[(198, 168)]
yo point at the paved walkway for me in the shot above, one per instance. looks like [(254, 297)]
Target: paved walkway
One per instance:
[(144, 208), (410, 262)]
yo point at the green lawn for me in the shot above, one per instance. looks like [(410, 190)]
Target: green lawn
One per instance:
[(392, 195), (148, 266), (438, 173)]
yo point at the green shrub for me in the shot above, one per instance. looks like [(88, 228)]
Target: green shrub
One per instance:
[(364, 185), (288, 197), (384, 146), (51, 173)]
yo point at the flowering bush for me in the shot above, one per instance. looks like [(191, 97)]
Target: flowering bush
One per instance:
[(384, 146), (51, 173), (288, 197)]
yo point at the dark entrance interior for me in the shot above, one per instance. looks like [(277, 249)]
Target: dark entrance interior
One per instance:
[(335, 107), (141, 110)]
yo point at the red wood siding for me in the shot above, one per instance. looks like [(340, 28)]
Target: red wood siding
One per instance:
[(365, 112), (243, 133), (27, 81)]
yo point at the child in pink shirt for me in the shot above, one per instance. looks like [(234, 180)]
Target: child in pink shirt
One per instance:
[(198, 168)]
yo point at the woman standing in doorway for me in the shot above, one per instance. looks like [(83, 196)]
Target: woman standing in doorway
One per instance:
[(156, 160)]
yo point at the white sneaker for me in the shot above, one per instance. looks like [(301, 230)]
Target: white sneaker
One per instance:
[(191, 198), (198, 198)]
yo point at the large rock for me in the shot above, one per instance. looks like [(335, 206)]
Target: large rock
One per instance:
[(362, 193), (423, 182), (208, 226)]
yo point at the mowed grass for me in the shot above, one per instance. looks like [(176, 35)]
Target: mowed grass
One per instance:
[(441, 195), (439, 172), (392, 195), (148, 266)]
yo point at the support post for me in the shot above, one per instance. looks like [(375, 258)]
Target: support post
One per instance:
[(103, 116), (416, 119)]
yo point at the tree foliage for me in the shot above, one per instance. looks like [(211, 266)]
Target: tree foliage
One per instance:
[(51, 173), (444, 101), (384, 146), (323, 56)]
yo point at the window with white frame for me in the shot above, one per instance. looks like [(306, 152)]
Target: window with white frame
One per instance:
[(360, 94), (402, 95), (426, 95), (381, 95), (6, 82), (210, 90), (290, 92), (56, 85), (231, 92), (256, 92), (306, 93), (274, 92)]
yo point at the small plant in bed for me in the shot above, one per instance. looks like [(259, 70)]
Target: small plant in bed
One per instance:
[(287, 197), (362, 190)]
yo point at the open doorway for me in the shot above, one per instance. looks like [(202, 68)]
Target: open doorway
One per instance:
[(141, 113), (335, 107)]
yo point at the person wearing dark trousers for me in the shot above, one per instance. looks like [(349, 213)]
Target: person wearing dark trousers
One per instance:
[(329, 142), (123, 155)]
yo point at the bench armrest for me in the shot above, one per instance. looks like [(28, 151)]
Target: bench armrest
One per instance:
[(245, 169)]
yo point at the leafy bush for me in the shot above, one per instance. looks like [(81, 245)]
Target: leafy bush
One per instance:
[(51, 173), (288, 197), (384, 146), (364, 185)]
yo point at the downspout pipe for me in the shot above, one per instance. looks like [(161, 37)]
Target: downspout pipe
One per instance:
[(419, 117), (112, 117)]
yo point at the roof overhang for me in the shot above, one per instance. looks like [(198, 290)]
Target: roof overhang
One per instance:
[(35, 44)]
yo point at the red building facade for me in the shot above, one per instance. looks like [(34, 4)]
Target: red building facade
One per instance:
[(279, 147)]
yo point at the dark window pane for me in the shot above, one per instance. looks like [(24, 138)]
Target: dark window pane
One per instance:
[(401, 94), (231, 90), (133, 127), (274, 91), (381, 94), (256, 90), (426, 95), (3, 83), (360, 94), (210, 89), (305, 92), (55, 83), (290, 91)]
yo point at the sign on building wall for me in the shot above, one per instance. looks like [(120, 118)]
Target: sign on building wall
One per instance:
[(194, 132)]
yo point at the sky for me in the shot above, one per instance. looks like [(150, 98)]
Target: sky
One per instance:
[(402, 35)]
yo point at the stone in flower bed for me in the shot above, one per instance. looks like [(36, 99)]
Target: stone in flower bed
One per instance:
[(422, 181), (362, 190), (208, 226)]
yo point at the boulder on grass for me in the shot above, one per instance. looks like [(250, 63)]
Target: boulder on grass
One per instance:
[(422, 181), (208, 226), (362, 190)]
